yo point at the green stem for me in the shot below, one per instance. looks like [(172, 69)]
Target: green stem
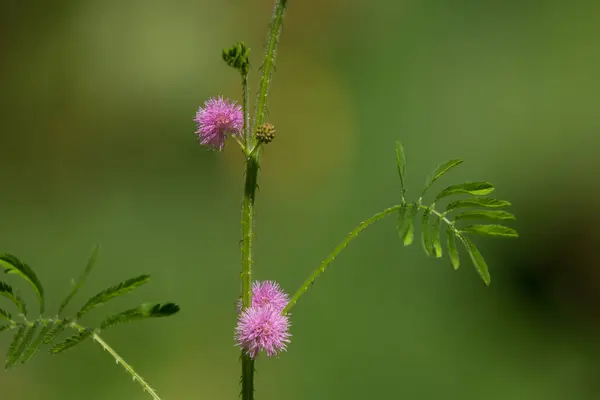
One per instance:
[(246, 111), (120, 360), (269, 63), (252, 166), (311, 279)]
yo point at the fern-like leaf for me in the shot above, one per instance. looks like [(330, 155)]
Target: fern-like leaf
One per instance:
[(71, 341), (14, 345), (79, 283), (439, 171), (7, 291), (13, 265), (54, 331), (491, 230), (473, 188), (142, 312), (485, 214), (112, 292), (452, 251), (35, 345), (477, 202), (478, 260)]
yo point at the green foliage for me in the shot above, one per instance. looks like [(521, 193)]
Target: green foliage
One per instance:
[(7, 291), (474, 188), (439, 171), (477, 202), (5, 315), (79, 283), (35, 345), (112, 292), (4, 328), (485, 214), (14, 345), (142, 312), (451, 245), (12, 265), (431, 219), (71, 341), (53, 333), (401, 163), (425, 232)]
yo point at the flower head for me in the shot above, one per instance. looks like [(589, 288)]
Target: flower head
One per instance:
[(216, 119), (262, 328), (265, 293), (269, 293)]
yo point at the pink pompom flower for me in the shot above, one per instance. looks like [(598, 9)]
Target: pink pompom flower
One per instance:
[(262, 328), (217, 119), (267, 293)]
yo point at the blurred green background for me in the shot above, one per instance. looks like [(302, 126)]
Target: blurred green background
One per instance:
[(98, 146)]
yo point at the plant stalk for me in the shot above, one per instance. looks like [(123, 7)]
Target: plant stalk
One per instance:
[(250, 185), (361, 227)]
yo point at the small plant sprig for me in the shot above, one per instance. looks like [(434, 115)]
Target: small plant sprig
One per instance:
[(33, 334), (264, 309)]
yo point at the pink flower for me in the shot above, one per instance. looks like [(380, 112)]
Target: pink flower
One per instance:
[(262, 328), (267, 293), (218, 118)]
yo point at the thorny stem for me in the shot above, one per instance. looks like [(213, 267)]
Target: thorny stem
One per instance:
[(311, 279), (79, 328), (252, 166)]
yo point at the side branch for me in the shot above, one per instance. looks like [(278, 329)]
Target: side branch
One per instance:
[(311, 279)]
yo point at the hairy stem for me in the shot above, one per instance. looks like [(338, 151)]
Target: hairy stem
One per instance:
[(246, 111), (269, 62), (311, 279), (252, 166), (119, 360)]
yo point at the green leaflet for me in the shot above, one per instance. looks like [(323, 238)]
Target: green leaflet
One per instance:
[(5, 315), (485, 214), (79, 283), (14, 345), (407, 231), (435, 236), (142, 312), (491, 230), (25, 342), (13, 265), (55, 331), (4, 327), (401, 163), (425, 233), (478, 260), (71, 341), (477, 202), (439, 171), (112, 292), (474, 188), (35, 346), (7, 291), (452, 251)]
